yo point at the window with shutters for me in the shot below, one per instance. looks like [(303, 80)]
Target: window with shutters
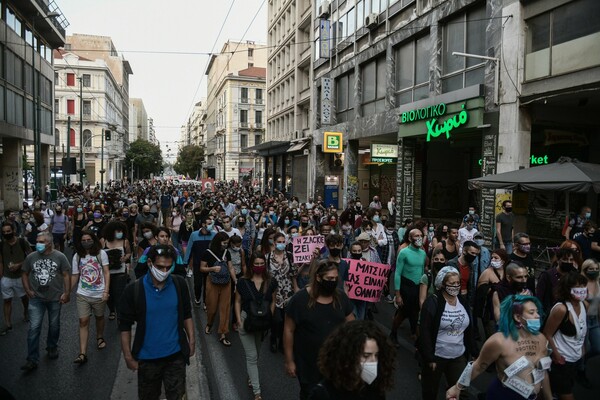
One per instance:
[(72, 137), (70, 79), (70, 106)]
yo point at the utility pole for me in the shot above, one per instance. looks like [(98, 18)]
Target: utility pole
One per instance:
[(81, 167), (68, 152), (102, 162)]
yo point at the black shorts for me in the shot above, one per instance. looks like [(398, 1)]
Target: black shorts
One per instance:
[(562, 377)]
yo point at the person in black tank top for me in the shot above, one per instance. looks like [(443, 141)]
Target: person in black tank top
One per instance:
[(452, 238)]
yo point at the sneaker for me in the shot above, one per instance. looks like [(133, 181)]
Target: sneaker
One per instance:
[(29, 366), (5, 330), (389, 299), (53, 353)]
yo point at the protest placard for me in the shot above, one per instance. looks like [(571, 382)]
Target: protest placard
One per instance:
[(366, 280), (303, 247)]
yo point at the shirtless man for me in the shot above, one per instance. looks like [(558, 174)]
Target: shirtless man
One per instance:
[(520, 352)]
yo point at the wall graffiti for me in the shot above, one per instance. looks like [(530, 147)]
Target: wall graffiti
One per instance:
[(11, 181), (351, 188)]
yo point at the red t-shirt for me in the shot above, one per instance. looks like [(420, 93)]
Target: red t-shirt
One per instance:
[(465, 272)]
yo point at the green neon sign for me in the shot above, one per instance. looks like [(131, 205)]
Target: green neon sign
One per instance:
[(436, 128), (535, 160)]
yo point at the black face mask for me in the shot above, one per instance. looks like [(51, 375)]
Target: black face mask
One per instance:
[(438, 265), (518, 287), (508, 209), (328, 287), (335, 252), (567, 267), (469, 258), (8, 236), (304, 224), (356, 256)]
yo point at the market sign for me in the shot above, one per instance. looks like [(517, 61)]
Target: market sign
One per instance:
[(384, 153), (332, 142)]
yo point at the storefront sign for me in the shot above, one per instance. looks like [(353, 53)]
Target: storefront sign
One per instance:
[(326, 95), (303, 247), (384, 153), (332, 142), (434, 127), (366, 280), (534, 161), (324, 38)]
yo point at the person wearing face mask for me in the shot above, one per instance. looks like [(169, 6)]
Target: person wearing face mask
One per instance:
[(514, 283), (504, 227), (488, 281), (446, 339), (216, 262), (59, 226), (591, 270), (256, 283), (91, 276), (284, 272), (519, 352), (375, 204), (483, 259), (585, 239), (96, 223), (46, 278), (174, 223), (34, 226), (310, 316), (149, 232), (548, 279), (387, 255), (467, 233), (187, 226), (464, 264), (410, 266), (118, 250), (522, 254), (144, 217), (196, 247), (13, 251), (356, 362), (566, 329), (164, 337), (576, 223), (238, 261)]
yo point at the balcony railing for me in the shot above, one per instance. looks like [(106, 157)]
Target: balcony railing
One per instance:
[(243, 124), (244, 100), (258, 101)]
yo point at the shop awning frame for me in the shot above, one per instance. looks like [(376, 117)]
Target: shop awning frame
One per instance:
[(270, 148), (297, 146)]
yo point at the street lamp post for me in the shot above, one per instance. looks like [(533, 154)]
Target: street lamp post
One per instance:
[(102, 171), (81, 167)]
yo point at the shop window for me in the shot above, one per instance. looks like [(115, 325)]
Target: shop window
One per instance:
[(412, 71), (465, 34), (344, 86), (563, 40), (374, 86)]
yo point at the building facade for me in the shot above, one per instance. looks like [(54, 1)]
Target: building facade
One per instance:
[(236, 112), (101, 110), (29, 30), (138, 120), (289, 81), (426, 95)]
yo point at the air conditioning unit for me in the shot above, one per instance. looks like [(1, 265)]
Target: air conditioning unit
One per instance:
[(324, 9), (371, 21)]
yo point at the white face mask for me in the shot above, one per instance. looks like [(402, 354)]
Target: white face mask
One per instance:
[(158, 274), (579, 293), (148, 235), (368, 372), (496, 264)]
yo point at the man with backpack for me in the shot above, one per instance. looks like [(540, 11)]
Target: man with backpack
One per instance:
[(13, 251), (159, 304)]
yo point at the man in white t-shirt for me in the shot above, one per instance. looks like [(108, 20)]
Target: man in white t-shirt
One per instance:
[(47, 213), (228, 229), (467, 233)]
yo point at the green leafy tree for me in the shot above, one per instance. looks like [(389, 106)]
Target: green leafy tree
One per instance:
[(146, 157), (189, 160)]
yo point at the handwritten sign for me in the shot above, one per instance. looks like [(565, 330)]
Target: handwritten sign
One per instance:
[(366, 280), (303, 247)]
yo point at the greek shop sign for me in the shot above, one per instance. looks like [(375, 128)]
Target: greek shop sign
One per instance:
[(332, 142), (384, 153), (435, 127)]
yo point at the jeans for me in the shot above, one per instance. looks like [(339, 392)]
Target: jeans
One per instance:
[(37, 309), (593, 337), (116, 289), (168, 371), (360, 309), (251, 342)]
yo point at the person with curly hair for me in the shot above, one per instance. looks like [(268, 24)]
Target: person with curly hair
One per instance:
[(519, 351), (357, 362)]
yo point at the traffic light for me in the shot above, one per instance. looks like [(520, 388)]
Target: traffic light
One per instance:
[(107, 135)]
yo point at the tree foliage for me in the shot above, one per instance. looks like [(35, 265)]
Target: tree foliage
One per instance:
[(147, 159), (189, 160)]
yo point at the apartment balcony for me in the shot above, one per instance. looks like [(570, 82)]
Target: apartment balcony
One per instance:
[(244, 125), (259, 125), (304, 96), (259, 101), (244, 100)]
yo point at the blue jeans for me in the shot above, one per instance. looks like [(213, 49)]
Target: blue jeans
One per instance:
[(37, 309), (360, 309)]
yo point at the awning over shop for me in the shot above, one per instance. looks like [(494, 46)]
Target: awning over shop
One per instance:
[(297, 146), (270, 148)]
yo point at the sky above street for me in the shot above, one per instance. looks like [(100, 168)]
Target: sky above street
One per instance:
[(144, 31)]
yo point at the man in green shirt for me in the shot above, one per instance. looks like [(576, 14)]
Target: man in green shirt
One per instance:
[(410, 265)]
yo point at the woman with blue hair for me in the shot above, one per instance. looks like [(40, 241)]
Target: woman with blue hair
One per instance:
[(519, 350)]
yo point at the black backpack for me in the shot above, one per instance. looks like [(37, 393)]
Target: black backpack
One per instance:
[(259, 315)]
